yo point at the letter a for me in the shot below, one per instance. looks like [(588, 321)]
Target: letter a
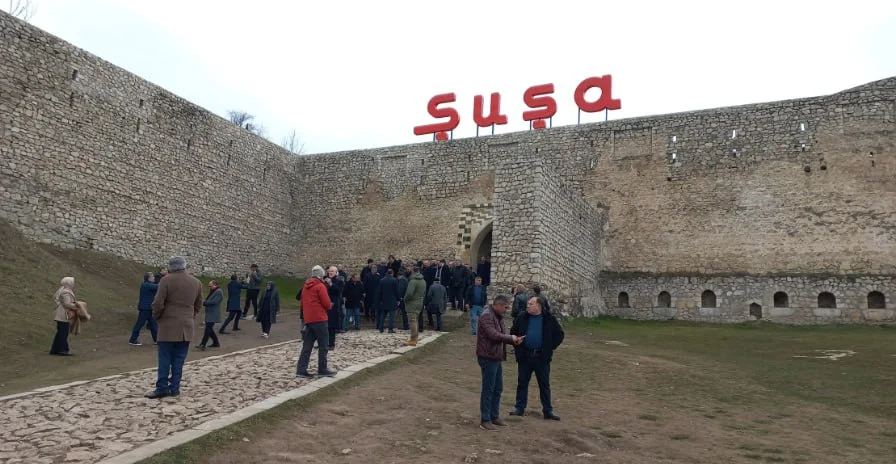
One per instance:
[(606, 100)]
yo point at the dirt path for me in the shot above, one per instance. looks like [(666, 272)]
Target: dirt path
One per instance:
[(619, 404), (98, 357)]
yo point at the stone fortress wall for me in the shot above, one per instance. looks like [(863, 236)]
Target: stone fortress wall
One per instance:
[(732, 199), (94, 157)]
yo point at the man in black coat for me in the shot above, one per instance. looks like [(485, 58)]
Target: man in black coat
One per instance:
[(371, 284), (386, 302), (543, 334), (460, 280), (429, 274)]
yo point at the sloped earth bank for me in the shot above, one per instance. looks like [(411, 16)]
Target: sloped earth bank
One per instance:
[(635, 394), (108, 416)]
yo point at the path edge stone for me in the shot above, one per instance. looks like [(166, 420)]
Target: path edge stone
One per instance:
[(184, 436), (145, 369)]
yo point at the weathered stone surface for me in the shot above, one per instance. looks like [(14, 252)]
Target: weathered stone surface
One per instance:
[(799, 187), (113, 417)]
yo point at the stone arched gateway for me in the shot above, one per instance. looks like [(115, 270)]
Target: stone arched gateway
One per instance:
[(475, 226)]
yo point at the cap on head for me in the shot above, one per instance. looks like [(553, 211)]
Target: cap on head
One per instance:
[(177, 263), (318, 272)]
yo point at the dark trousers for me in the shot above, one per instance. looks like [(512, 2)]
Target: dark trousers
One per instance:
[(381, 320), (459, 298), (438, 317), (314, 332), (451, 296), (60, 341), (144, 317), (251, 297), (171, 365), (231, 316), (210, 333), (527, 364), (492, 385), (331, 337), (404, 316), (266, 318)]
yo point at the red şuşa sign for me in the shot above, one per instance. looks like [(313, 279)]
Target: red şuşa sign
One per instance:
[(538, 98)]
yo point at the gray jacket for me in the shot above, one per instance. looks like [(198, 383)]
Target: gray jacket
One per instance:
[(436, 298), (213, 306)]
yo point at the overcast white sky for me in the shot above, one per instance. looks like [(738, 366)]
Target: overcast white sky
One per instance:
[(358, 74)]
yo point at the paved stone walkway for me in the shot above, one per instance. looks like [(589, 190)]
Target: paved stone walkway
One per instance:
[(87, 422)]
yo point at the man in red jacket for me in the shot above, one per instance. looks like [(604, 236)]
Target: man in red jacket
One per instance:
[(315, 304)]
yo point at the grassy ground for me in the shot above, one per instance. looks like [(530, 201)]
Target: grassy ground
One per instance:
[(628, 392), (30, 274)]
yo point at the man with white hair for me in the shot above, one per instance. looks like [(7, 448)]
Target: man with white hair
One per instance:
[(177, 302), (315, 304)]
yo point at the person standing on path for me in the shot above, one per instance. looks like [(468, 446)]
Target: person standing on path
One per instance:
[(234, 288), (491, 352), (386, 302), (212, 305), (315, 305), (543, 334), (436, 303), (253, 287), (413, 303), (175, 307), (65, 305), (148, 291), (354, 293), (270, 306), (476, 299), (335, 286)]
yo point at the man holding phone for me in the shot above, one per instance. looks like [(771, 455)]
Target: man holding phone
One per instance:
[(491, 352), (541, 334)]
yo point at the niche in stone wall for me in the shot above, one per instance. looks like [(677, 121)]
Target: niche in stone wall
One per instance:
[(827, 300), (708, 299), (876, 300), (781, 300), (664, 300), (756, 310), (623, 300)]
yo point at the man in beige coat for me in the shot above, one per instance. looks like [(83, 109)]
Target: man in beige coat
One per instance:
[(175, 307)]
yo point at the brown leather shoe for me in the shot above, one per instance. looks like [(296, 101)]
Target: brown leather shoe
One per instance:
[(487, 426), (499, 422), (410, 342)]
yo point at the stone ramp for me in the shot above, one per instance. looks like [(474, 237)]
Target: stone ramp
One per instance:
[(90, 421)]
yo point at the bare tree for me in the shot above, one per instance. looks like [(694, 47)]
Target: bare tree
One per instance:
[(240, 118), (22, 9), (247, 121), (292, 143)]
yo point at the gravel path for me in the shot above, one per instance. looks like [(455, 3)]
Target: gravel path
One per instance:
[(108, 416)]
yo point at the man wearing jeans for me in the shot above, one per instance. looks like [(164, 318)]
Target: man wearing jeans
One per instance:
[(476, 298), (315, 304), (175, 307), (491, 352), (148, 291)]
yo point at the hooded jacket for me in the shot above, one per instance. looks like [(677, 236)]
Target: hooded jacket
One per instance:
[(315, 301), (413, 297)]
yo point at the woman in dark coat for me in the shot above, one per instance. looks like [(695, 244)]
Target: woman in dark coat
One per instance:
[(268, 308), (234, 290), (335, 287), (212, 306)]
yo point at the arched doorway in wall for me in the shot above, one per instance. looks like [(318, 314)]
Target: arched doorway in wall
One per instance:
[(481, 246)]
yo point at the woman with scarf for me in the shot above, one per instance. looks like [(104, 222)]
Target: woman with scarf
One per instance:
[(212, 305), (269, 307), (65, 308)]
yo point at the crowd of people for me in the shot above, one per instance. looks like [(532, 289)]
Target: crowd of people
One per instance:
[(334, 302)]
